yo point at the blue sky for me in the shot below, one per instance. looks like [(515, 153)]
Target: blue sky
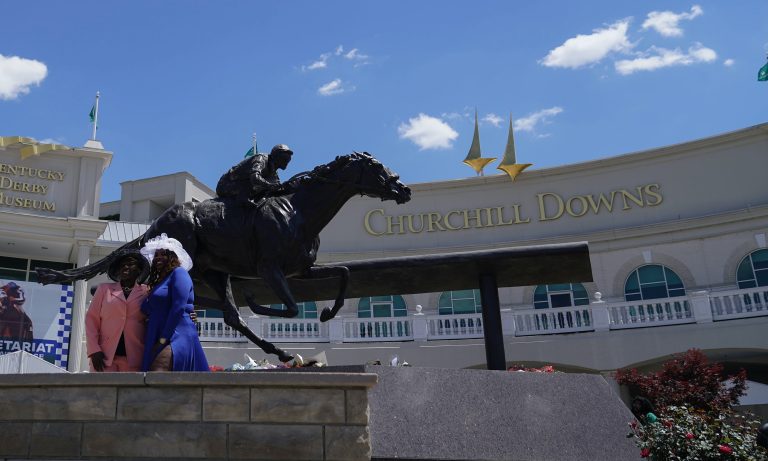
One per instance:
[(184, 84)]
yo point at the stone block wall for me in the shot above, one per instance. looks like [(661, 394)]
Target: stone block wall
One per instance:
[(213, 416)]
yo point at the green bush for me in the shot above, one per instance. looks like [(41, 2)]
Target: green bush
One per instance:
[(683, 433)]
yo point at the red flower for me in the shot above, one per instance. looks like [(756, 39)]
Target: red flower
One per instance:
[(633, 424), (689, 436), (725, 449), (667, 423), (646, 452)]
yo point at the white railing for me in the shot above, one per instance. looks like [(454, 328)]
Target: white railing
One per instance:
[(295, 330), (381, 329), (553, 321), (214, 329), (736, 304), (724, 305), (454, 326), (651, 313)]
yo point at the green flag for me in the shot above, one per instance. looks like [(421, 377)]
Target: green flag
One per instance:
[(249, 153), (93, 114), (762, 74)]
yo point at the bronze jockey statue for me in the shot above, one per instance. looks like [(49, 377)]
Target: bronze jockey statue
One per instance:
[(255, 178)]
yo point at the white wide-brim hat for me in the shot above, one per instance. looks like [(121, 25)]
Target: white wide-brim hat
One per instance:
[(163, 242)]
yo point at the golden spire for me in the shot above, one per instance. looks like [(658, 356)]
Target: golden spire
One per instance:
[(473, 157), (508, 163)]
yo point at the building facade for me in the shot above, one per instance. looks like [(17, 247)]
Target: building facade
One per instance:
[(677, 239)]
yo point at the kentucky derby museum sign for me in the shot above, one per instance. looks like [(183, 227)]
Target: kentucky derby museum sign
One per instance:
[(35, 181), (49, 209), (49, 179)]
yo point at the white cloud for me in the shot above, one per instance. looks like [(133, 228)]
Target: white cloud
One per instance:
[(321, 63), (333, 87), (18, 74), (530, 122), (451, 115), (356, 55), (428, 132), (666, 22), (588, 49), (729, 62), (666, 58), (493, 119)]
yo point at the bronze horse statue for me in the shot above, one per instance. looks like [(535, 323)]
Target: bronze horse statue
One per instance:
[(276, 239)]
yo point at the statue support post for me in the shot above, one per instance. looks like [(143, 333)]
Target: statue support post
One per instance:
[(494, 337)]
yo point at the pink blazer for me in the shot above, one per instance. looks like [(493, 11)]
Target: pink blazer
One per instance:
[(111, 314)]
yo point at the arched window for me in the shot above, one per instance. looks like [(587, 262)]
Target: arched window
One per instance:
[(653, 281), (382, 306), (560, 295), (753, 270), (307, 310), (459, 302)]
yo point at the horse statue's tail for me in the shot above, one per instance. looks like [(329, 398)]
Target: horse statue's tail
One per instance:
[(47, 276)]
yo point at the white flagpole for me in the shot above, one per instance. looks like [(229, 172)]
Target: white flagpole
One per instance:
[(95, 116), (254, 144)]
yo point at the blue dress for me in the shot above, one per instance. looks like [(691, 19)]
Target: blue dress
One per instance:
[(167, 307)]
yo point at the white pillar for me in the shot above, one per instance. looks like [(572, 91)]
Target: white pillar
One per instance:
[(255, 323), (420, 325), (76, 340), (601, 319), (336, 330), (702, 311), (507, 322)]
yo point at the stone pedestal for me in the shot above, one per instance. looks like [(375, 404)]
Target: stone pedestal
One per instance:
[(222, 416)]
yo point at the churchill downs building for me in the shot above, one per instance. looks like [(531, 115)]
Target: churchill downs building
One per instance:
[(677, 239)]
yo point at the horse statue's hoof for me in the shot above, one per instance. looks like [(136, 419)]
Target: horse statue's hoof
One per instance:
[(284, 356), (326, 315)]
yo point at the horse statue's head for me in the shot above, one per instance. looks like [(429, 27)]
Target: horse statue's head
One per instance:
[(365, 175)]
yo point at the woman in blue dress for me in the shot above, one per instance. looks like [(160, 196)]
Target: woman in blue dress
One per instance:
[(172, 343)]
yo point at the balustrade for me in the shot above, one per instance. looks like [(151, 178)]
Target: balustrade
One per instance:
[(455, 326), (725, 305), (295, 330), (553, 321), (378, 329), (656, 312), (733, 304), (214, 329)]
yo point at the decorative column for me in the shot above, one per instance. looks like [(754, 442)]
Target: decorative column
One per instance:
[(420, 327), (76, 346), (336, 330), (601, 318), (507, 322), (700, 306)]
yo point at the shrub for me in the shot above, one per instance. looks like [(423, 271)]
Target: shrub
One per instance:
[(689, 380), (683, 433), (691, 415)]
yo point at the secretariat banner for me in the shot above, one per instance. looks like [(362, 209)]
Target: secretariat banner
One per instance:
[(36, 319)]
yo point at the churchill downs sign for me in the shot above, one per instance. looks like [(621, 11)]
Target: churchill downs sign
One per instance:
[(551, 206), (27, 180)]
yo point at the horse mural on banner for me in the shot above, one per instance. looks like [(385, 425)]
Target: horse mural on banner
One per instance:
[(275, 240)]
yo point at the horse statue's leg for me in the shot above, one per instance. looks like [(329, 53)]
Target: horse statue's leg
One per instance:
[(275, 279), (340, 272), (220, 283)]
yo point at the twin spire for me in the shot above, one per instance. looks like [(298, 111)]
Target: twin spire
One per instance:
[(508, 164)]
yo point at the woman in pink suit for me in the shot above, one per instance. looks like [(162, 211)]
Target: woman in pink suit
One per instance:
[(115, 326)]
